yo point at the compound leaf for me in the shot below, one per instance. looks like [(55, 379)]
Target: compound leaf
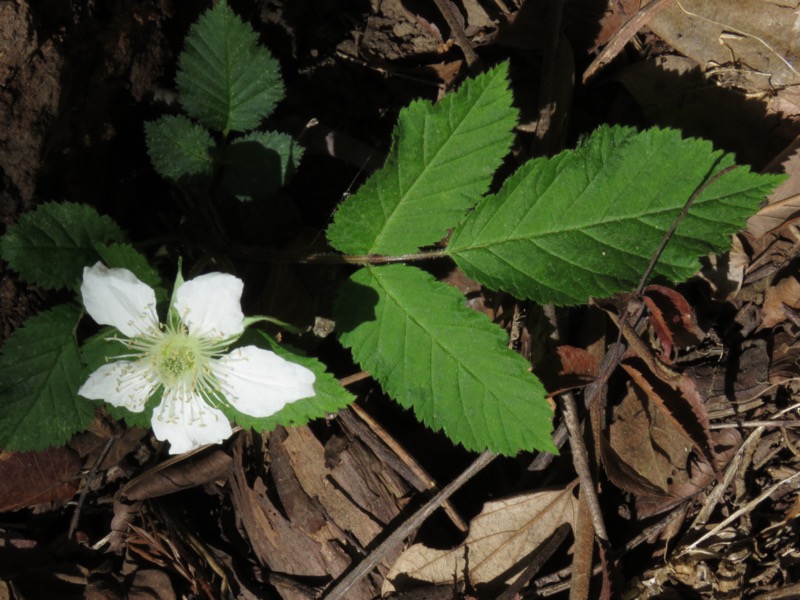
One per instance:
[(225, 79), (50, 246), (40, 372), (587, 222), (257, 164), (442, 159), (432, 353), (179, 148)]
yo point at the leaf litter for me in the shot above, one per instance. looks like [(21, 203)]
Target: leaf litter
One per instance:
[(710, 456)]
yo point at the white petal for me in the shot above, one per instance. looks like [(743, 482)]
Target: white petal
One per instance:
[(116, 297), (187, 422), (210, 305), (259, 383), (123, 383)]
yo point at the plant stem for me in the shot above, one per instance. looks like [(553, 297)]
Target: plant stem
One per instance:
[(326, 258), (340, 589)]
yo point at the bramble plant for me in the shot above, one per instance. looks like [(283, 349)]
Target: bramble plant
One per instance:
[(226, 83), (561, 230)]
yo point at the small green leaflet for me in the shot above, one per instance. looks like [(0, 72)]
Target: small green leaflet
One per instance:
[(179, 148), (225, 79), (50, 246), (442, 160), (330, 396), (40, 372), (257, 164), (587, 222), (432, 353)]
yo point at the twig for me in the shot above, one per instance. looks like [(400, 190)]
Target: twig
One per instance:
[(753, 424), (736, 514), (341, 589), (73, 524), (417, 476), (543, 553), (457, 31), (354, 378), (580, 459), (544, 587), (623, 36), (329, 258), (610, 361), (542, 460), (727, 27)]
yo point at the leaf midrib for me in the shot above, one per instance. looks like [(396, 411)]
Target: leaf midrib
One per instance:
[(434, 340), (565, 230), (455, 133)]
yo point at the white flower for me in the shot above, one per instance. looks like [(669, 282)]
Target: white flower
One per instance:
[(185, 358)]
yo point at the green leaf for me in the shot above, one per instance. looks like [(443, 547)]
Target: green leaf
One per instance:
[(430, 352), (124, 256), (587, 222), (40, 372), (100, 349), (225, 79), (50, 246), (330, 396), (178, 148), (442, 159), (259, 163)]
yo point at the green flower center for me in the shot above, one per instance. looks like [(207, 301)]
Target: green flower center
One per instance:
[(179, 359)]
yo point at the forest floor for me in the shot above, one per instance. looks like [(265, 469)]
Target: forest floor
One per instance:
[(289, 513)]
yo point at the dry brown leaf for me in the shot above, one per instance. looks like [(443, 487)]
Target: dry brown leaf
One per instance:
[(672, 318), (784, 358), (31, 478), (616, 14), (783, 204), (785, 292), (774, 215), (724, 273), (752, 40), (574, 368), (643, 454), (175, 474), (680, 402), (577, 361), (673, 91), (503, 534), (650, 456)]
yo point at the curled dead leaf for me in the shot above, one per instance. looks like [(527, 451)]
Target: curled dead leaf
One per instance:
[(680, 402), (500, 538), (672, 318)]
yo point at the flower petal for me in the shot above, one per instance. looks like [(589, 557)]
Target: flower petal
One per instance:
[(187, 422), (210, 305), (123, 383), (259, 383), (116, 297)]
